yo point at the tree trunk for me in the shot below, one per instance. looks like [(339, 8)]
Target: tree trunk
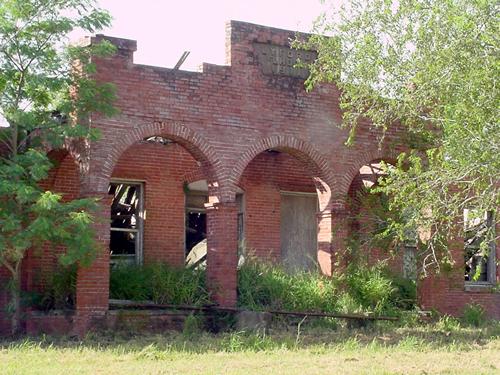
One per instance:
[(16, 301)]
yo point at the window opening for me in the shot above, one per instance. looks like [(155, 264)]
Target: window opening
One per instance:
[(196, 228), (157, 139), (479, 256), (241, 219), (125, 244)]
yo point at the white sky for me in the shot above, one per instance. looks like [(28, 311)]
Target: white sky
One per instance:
[(164, 29)]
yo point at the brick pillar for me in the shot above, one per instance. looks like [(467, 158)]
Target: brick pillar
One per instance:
[(340, 235), (92, 287), (222, 252), (325, 230), (440, 288)]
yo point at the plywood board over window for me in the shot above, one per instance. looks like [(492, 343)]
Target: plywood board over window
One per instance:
[(299, 231)]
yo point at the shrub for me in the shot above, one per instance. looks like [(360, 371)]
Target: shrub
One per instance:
[(405, 293), (370, 287), (159, 283), (473, 315), (60, 290)]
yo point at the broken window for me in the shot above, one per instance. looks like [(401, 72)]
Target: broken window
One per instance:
[(196, 226), (157, 139), (410, 244), (125, 244), (479, 247), (196, 223)]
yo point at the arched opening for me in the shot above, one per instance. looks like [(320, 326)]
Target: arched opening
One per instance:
[(284, 201), (43, 277), (155, 161), (152, 203), (368, 220)]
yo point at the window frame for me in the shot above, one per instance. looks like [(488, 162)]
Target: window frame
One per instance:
[(241, 203), (139, 251), (491, 261), (190, 209)]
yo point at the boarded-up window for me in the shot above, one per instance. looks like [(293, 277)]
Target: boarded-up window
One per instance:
[(299, 231)]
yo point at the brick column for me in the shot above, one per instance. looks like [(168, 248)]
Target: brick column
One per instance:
[(325, 231), (340, 235), (222, 252), (92, 287)]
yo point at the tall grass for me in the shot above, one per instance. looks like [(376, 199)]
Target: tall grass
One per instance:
[(268, 286), (265, 286), (159, 283), (361, 289)]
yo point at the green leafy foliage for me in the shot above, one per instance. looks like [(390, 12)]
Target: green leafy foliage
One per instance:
[(430, 68), (46, 97), (448, 323), (60, 292)]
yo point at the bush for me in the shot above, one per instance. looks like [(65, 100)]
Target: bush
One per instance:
[(60, 290), (405, 294), (473, 315), (159, 283), (370, 287)]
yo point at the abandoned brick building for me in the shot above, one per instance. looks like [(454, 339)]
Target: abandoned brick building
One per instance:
[(232, 154)]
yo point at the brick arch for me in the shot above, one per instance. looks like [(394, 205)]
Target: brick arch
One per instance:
[(298, 148), (194, 143), (195, 175), (362, 158)]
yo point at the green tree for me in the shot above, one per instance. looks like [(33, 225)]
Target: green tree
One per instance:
[(431, 67), (46, 93)]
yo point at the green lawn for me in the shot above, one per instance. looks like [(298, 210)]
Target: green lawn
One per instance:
[(438, 348)]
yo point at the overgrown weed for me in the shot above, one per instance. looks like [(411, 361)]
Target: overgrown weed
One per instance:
[(159, 283)]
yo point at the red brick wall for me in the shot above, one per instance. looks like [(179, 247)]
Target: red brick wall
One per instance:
[(162, 168), (40, 263), (226, 116), (262, 181), (447, 292)]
